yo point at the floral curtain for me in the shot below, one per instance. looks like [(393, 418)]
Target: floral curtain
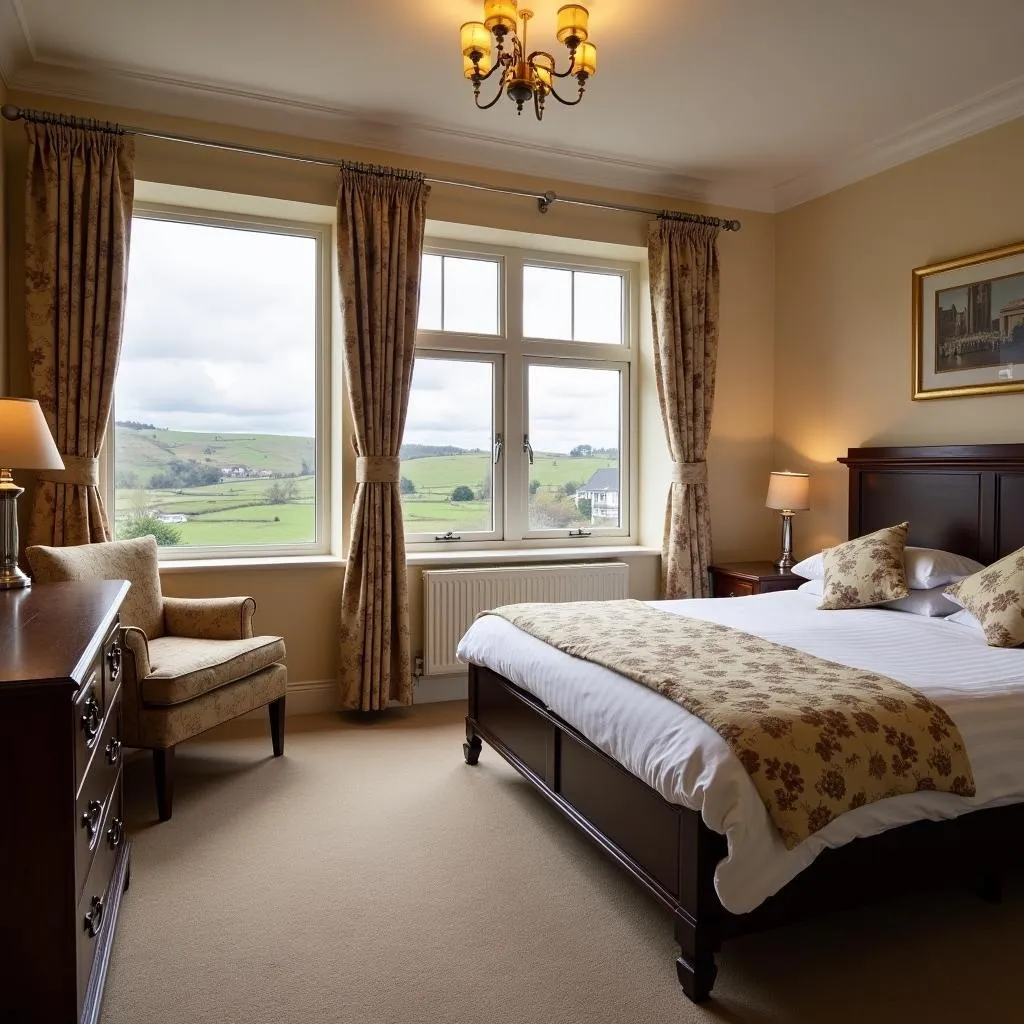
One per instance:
[(381, 217), (80, 186), (683, 258)]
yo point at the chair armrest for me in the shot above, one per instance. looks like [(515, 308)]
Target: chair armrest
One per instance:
[(137, 646), (209, 618)]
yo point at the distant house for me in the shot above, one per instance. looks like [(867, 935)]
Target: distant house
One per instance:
[(602, 491), (266, 474), (172, 517)]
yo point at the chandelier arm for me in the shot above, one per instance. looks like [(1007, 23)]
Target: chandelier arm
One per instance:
[(500, 93), (538, 105), (555, 74), (569, 103), (483, 78)]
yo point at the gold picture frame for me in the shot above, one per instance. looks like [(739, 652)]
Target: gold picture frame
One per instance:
[(968, 330)]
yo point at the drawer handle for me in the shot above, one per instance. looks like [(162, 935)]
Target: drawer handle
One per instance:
[(94, 917), (113, 751), (114, 661), (115, 833), (91, 819), (92, 717)]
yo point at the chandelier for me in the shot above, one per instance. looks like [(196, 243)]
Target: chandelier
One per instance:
[(524, 75)]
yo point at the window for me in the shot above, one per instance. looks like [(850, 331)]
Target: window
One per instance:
[(519, 416), (218, 438)]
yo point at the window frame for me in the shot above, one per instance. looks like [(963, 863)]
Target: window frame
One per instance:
[(517, 353), (323, 235)]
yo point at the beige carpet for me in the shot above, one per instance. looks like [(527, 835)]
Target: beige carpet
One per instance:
[(370, 877)]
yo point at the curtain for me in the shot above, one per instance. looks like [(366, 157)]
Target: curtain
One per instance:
[(683, 258), (79, 191), (381, 218)]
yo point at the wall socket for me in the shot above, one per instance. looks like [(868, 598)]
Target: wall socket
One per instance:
[(417, 666)]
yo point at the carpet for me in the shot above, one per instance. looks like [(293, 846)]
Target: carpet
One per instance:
[(371, 877)]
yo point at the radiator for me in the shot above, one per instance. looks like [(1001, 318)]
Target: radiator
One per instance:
[(452, 598)]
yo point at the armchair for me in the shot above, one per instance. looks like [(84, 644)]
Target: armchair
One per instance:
[(189, 663)]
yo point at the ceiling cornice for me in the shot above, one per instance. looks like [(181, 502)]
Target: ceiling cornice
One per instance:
[(995, 107)]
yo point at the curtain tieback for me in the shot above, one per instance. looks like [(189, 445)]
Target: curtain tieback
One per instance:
[(690, 472), (79, 471), (378, 469)]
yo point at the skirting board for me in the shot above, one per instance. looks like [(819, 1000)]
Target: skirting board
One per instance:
[(317, 696)]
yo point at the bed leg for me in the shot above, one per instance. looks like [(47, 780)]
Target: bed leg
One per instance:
[(695, 966), (473, 745)]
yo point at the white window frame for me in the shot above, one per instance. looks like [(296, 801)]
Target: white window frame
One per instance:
[(322, 233), (517, 353)]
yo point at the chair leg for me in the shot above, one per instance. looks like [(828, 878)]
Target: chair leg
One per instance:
[(276, 710), (163, 769)]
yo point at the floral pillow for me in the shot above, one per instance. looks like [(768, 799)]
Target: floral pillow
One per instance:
[(995, 597), (866, 571)]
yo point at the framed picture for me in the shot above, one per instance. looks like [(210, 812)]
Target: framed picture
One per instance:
[(969, 325)]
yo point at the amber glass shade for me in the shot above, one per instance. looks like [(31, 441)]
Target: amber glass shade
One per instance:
[(467, 66), (501, 14), (573, 22), (474, 36), (542, 69), (586, 60)]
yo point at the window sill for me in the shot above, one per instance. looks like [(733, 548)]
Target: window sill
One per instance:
[(509, 556), (176, 565)]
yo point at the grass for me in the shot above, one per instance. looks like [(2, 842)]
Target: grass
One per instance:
[(236, 511)]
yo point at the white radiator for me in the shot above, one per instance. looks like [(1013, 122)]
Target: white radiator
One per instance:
[(452, 598)]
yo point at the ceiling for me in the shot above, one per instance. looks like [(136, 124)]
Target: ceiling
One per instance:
[(755, 103)]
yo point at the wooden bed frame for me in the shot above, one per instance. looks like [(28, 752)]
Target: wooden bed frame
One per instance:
[(966, 499)]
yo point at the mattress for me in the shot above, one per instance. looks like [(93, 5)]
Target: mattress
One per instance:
[(688, 763)]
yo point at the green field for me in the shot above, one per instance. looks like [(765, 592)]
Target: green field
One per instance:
[(240, 511)]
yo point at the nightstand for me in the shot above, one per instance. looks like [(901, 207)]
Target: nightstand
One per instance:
[(740, 579)]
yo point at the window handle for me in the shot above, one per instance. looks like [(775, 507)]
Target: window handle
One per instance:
[(579, 533), (527, 447), (499, 444), (449, 536)]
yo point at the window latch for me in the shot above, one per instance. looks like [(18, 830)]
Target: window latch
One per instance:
[(527, 447), (448, 536), (499, 444), (579, 533)]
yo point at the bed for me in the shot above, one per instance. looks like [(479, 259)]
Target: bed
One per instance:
[(965, 499)]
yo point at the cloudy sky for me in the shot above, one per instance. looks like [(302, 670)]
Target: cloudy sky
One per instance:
[(220, 336)]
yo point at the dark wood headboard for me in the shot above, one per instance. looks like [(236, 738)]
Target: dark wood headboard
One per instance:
[(963, 498)]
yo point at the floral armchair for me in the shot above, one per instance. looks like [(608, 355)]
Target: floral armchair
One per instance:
[(189, 663)]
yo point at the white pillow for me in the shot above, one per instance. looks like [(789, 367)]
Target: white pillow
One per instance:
[(926, 567), (930, 602), (965, 618)]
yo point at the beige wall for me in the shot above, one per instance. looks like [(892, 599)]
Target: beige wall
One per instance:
[(843, 313), (301, 603)]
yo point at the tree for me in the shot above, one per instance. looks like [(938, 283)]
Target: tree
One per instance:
[(571, 487), (406, 486), (550, 510), (149, 526), (307, 469), (127, 478), (585, 507), (281, 492), (462, 493), (581, 451), (534, 486)]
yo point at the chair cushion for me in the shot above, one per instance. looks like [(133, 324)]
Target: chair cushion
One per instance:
[(183, 668), (132, 560)]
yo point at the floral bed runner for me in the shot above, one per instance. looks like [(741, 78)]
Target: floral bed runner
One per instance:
[(816, 737)]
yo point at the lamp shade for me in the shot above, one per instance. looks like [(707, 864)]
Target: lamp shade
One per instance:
[(501, 15), (788, 491), (475, 38), (25, 439), (573, 24), (586, 60)]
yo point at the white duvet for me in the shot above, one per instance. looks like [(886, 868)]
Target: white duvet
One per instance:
[(688, 763)]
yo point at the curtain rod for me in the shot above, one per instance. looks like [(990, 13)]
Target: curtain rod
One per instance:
[(545, 200)]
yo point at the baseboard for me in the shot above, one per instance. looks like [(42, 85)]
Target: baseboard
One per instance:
[(319, 696), (434, 689)]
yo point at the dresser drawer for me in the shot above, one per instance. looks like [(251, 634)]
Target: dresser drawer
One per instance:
[(89, 712), (729, 586), (97, 795), (95, 900), (112, 661)]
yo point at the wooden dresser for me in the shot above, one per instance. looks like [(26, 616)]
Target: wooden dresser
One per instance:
[(740, 579), (64, 855)]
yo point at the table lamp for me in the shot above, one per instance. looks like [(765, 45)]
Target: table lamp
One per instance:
[(788, 493), (25, 443)]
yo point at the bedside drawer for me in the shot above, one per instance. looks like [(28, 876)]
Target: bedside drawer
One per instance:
[(92, 808), (112, 659), (728, 586)]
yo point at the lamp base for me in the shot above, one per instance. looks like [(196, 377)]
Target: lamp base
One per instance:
[(12, 578), (785, 562)]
